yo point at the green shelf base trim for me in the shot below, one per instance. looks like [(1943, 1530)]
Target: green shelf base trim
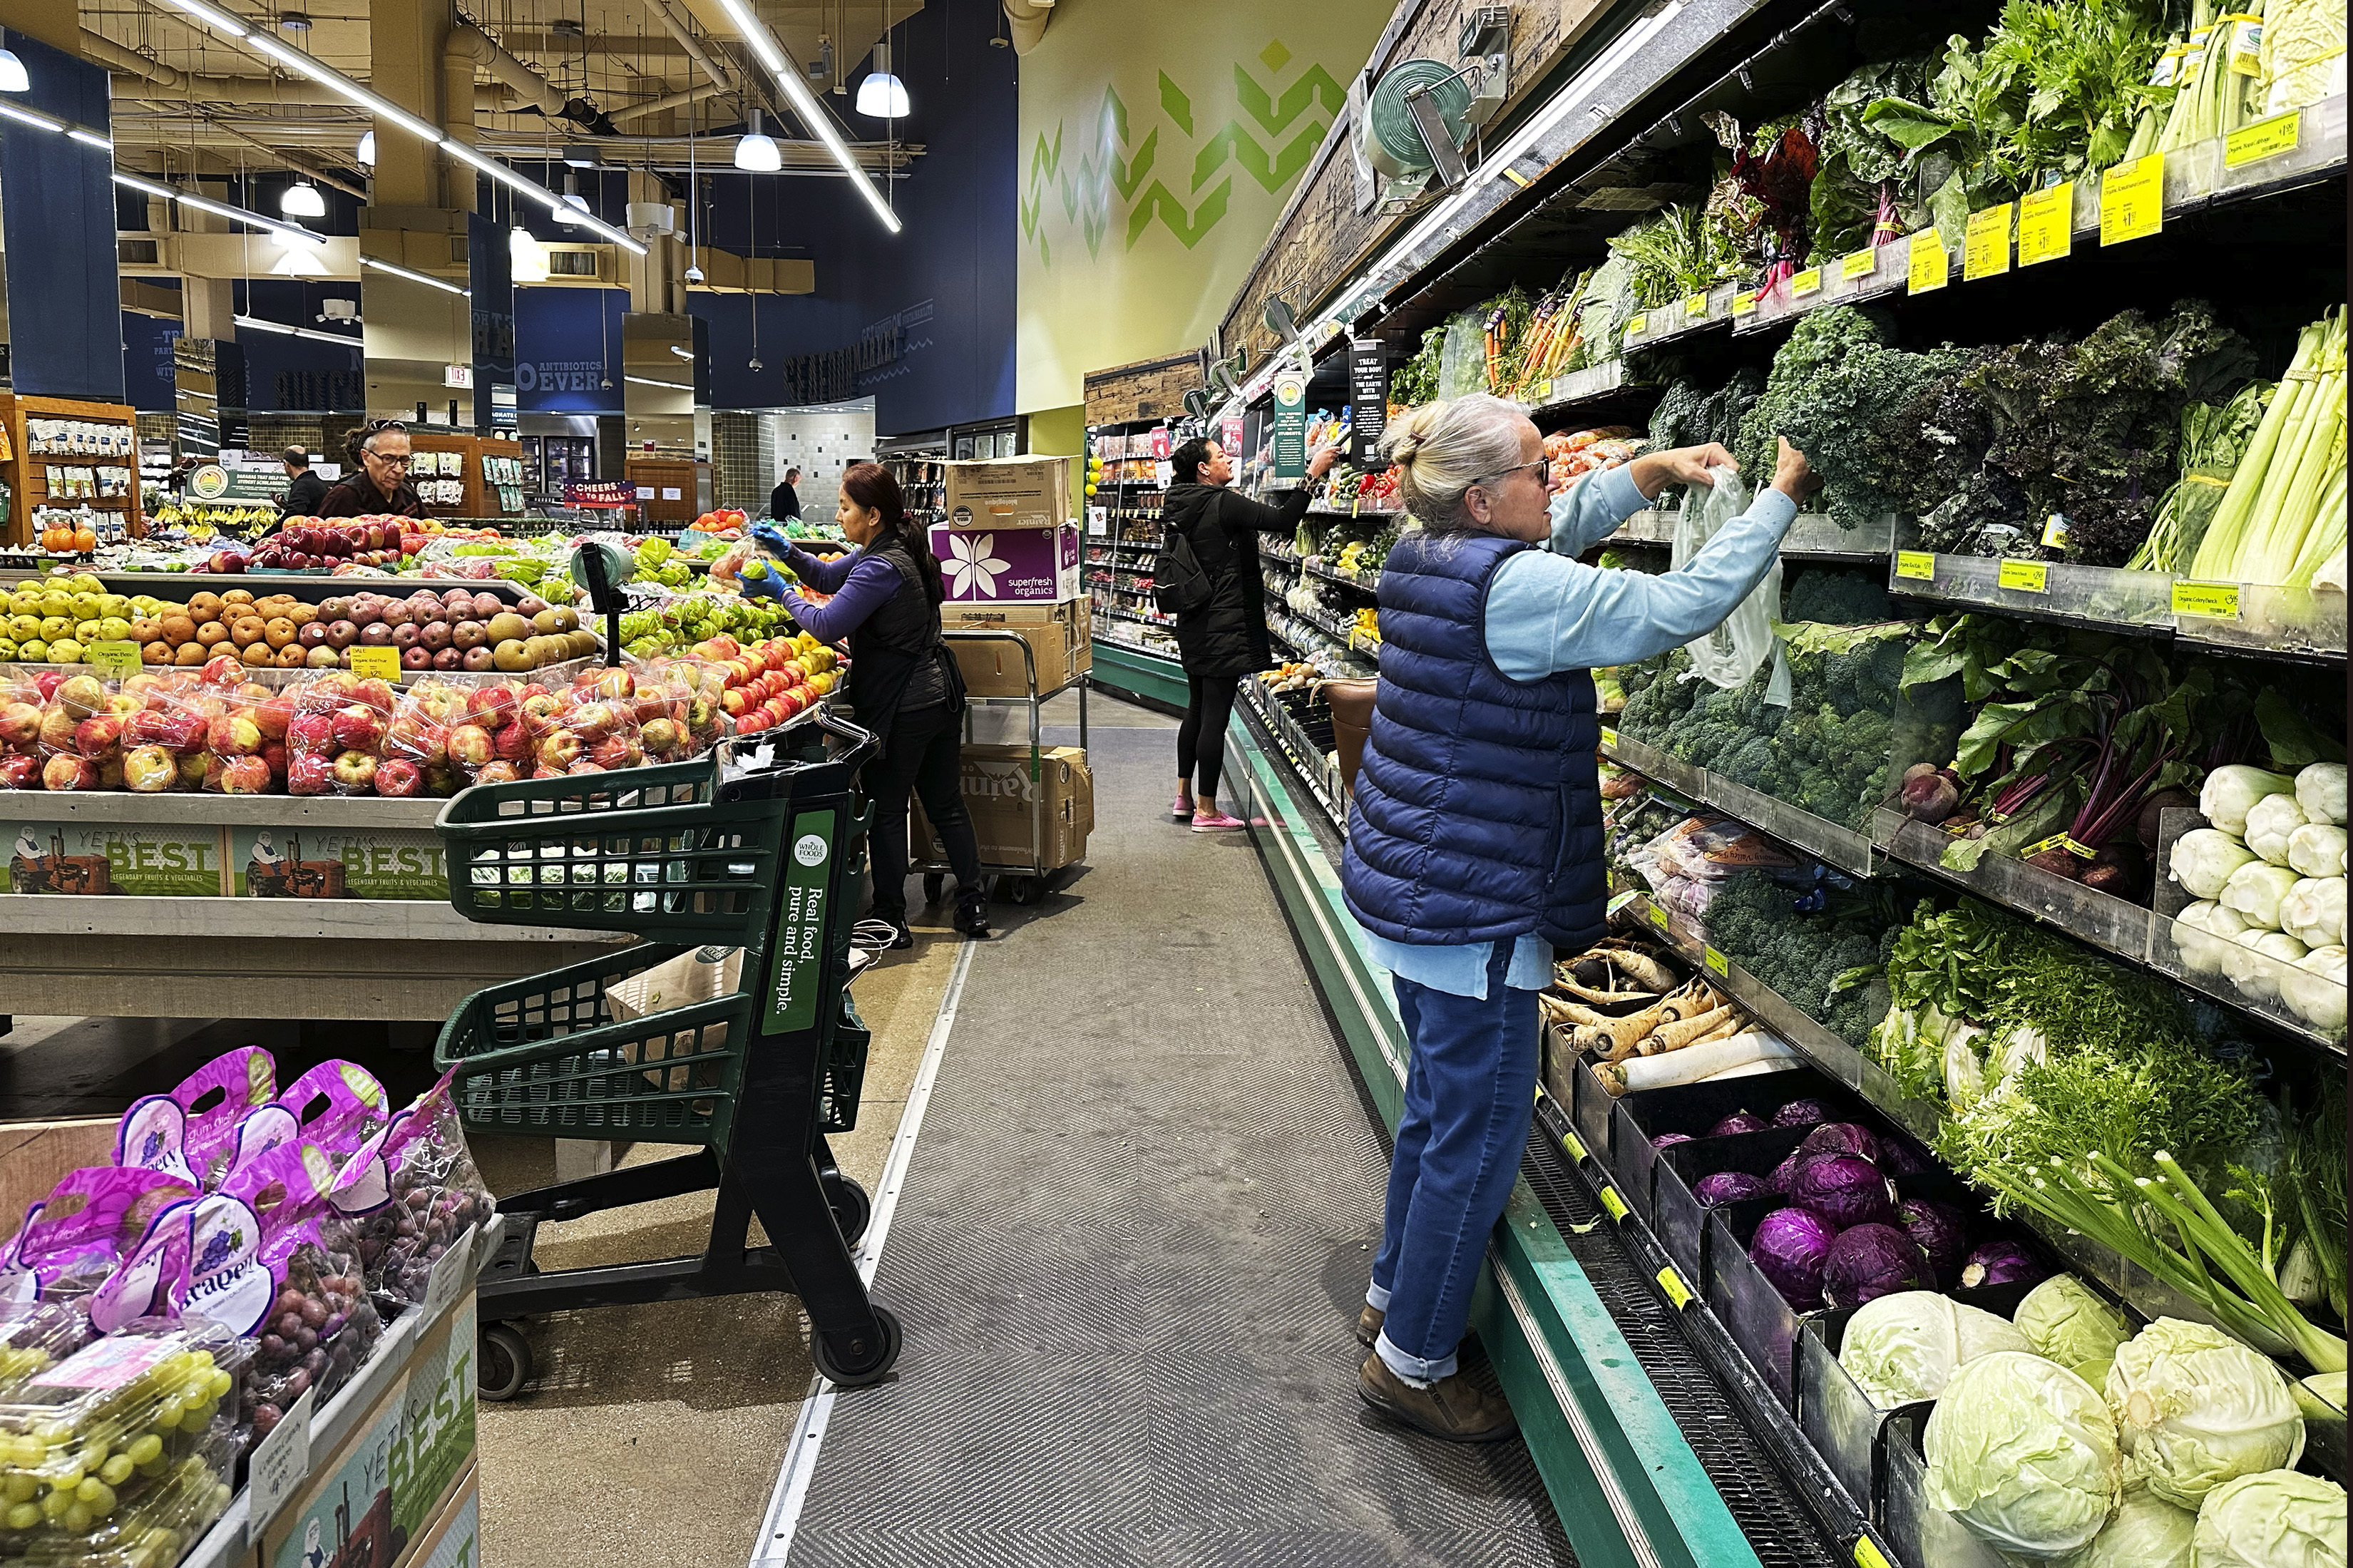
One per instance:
[(1629, 1491), (1118, 668)]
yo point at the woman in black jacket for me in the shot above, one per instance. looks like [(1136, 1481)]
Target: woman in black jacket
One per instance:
[(904, 685), (1225, 639)]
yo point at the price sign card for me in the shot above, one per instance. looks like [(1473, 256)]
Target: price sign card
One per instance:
[(1987, 250), (2046, 224), (2025, 576), (278, 1465), (1930, 267), (2132, 200), (2263, 139)]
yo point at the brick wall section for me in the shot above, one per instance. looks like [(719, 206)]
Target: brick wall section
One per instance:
[(1148, 389), (1323, 240)]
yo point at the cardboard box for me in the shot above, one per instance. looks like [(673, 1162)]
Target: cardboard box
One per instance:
[(1009, 565), (454, 1539), (402, 1463), (997, 792), (1060, 639), (1009, 492), (35, 1155)]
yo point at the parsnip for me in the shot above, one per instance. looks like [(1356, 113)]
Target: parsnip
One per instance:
[(1676, 1036), (1694, 1063)]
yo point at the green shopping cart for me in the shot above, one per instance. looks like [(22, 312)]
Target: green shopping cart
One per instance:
[(751, 857)]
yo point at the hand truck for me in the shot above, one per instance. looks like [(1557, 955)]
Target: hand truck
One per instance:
[(1017, 882), (759, 847)]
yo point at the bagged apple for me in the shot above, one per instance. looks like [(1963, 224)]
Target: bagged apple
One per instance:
[(413, 1190), (594, 729), (234, 741), (74, 1240), (417, 743)]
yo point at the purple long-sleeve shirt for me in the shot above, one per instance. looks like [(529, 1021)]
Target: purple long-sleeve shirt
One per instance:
[(861, 585)]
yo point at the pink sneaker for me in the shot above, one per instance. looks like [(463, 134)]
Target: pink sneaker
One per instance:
[(1216, 822), (1182, 810)]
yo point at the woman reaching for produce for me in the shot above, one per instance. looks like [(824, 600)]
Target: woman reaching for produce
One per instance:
[(1474, 839), (904, 683)]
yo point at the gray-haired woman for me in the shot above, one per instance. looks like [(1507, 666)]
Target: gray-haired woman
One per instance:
[(1474, 839)]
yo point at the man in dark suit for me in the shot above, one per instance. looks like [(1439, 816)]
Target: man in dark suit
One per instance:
[(785, 501)]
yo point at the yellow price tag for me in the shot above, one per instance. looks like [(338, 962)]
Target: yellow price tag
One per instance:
[(2046, 224), (1867, 1554), (2219, 600), (1609, 738), (1614, 1203), (1694, 307), (2132, 200), (1986, 252), (1745, 302), (1635, 326), (1917, 564), (112, 660), (1717, 963), (1672, 1284), (2025, 576), (1659, 916), (1929, 265), (2263, 139), (1573, 1144), (1801, 284), (375, 663), (1857, 264)]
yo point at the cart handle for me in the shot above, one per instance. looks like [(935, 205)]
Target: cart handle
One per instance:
[(863, 743)]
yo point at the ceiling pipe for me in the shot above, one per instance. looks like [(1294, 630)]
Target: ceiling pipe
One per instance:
[(678, 24), (1027, 20), (630, 113), (471, 42)]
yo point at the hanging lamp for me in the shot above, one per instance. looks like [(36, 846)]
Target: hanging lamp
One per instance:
[(882, 95), (755, 151)]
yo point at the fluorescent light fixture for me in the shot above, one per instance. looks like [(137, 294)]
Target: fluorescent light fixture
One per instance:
[(526, 257), (581, 155), (882, 95), (287, 233), (683, 353), (27, 117), (12, 73), (756, 150), (424, 278), (302, 199), (296, 262), (256, 325), (328, 76), (90, 139), (367, 149), (649, 380), (820, 124), (538, 193), (219, 21)]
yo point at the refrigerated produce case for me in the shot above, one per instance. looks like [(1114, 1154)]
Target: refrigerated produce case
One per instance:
[(1678, 1407)]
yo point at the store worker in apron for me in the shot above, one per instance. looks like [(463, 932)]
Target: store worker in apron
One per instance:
[(904, 683), (1474, 835)]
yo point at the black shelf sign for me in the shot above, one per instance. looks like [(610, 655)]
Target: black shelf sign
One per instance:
[(1369, 397)]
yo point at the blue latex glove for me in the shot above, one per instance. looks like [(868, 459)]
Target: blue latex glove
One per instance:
[(769, 585), (766, 534)]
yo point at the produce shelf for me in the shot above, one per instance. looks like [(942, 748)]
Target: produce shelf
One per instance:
[(2258, 998), (176, 808), (2113, 925), (1812, 536), (1680, 319), (1358, 584), (1825, 840), (1569, 394), (2272, 622), (1356, 513), (2100, 597)]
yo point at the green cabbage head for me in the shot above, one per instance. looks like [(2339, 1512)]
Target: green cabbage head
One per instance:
[(1905, 1346), (2146, 1532), (2023, 1453), (2195, 1408), (2279, 1518), (2071, 1323)]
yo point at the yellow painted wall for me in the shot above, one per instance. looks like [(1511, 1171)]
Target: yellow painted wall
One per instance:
[(1062, 432), (1158, 144)]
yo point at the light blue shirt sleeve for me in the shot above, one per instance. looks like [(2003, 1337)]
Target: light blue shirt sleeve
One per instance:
[(1591, 510), (1460, 969), (1548, 613)]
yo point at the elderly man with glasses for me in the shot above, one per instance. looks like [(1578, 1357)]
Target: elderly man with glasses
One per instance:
[(377, 485)]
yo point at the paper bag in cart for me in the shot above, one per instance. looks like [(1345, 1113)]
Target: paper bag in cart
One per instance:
[(705, 974)]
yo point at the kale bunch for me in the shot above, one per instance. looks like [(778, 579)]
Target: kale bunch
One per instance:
[(1814, 348), (1817, 952), (1838, 598), (1690, 416)]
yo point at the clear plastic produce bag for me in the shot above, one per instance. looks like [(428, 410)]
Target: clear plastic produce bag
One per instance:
[(1730, 654)]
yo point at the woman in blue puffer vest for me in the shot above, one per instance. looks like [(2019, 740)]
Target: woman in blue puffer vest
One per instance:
[(1475, 838)]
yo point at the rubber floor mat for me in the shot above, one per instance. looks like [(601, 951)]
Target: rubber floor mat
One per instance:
[(1129, 1253)]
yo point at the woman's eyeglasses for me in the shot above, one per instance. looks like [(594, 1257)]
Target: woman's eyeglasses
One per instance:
[(1539, 467)]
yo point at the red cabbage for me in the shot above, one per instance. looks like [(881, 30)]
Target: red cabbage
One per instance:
[(2001, 1263), (1844, 1189), (1785, 1174), (1869, 1261), (1902, 1157), (1738, 1121), (1841, 1138), (1801, 1113), (1668, 1140), (1943, 1231), (1788, 1249), (1728, 1187)]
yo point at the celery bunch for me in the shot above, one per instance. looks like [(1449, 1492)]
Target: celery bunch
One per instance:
[(2283, 516)]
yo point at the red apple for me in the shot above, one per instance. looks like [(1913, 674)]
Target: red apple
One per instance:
[(309, 773), (470, 744), (20, 724), (222, 670), (358, 728), (450, 658), (20, 773), (245, 775), (66, 772), (97, 736), (355, 772), (341, 634), (233, 735), (416, 658), (274, 752), (559, 749), (397, 777), (273, 715), (311, 732)]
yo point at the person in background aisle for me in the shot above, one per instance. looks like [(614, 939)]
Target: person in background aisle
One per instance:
[(1474, 838), (904, 683), (1226, 639), (306, 491), (377, 484), (785, 501)]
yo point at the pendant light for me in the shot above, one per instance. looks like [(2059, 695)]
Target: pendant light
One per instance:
[(12, 73), (526, 257), (367, 150), (882, 95), (302, 199), (575, 204), (755, 151)]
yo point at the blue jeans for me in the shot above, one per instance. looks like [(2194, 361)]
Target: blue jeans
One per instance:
[(1468, 1099)]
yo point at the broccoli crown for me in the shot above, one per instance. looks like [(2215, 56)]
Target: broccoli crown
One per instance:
[(1757, 923), (1838, 598)]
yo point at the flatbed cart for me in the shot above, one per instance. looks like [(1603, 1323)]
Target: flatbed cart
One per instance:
[(756, 846), (1019, 882)]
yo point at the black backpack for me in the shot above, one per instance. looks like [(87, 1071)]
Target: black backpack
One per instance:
[(1179, 586)]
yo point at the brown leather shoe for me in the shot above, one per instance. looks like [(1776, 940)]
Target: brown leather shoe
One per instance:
[(1368, 1324), (1453, 1409)]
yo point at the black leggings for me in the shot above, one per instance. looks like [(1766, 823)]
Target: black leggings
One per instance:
[(1201, 738), (921, 759)]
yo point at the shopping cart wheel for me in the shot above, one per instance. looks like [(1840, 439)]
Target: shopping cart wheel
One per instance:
[(851, 1207), (1019, 890), (934, 883), (856, 1377), (503, 1361)]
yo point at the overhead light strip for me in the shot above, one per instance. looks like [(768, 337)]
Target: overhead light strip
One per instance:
[(221, 209), (326, 76), (255, 323), (415, 277), (804, 104), (649, 380)]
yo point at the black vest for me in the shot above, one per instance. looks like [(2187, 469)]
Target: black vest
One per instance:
[(891, 645)]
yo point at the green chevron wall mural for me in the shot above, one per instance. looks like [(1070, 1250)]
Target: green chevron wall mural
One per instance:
[(1158, 146)]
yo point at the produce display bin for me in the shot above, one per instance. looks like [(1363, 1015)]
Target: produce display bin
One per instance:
[(2102, 597), (1645, 1115), (2106, 922), (2273, 620), (1924, 1536)]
